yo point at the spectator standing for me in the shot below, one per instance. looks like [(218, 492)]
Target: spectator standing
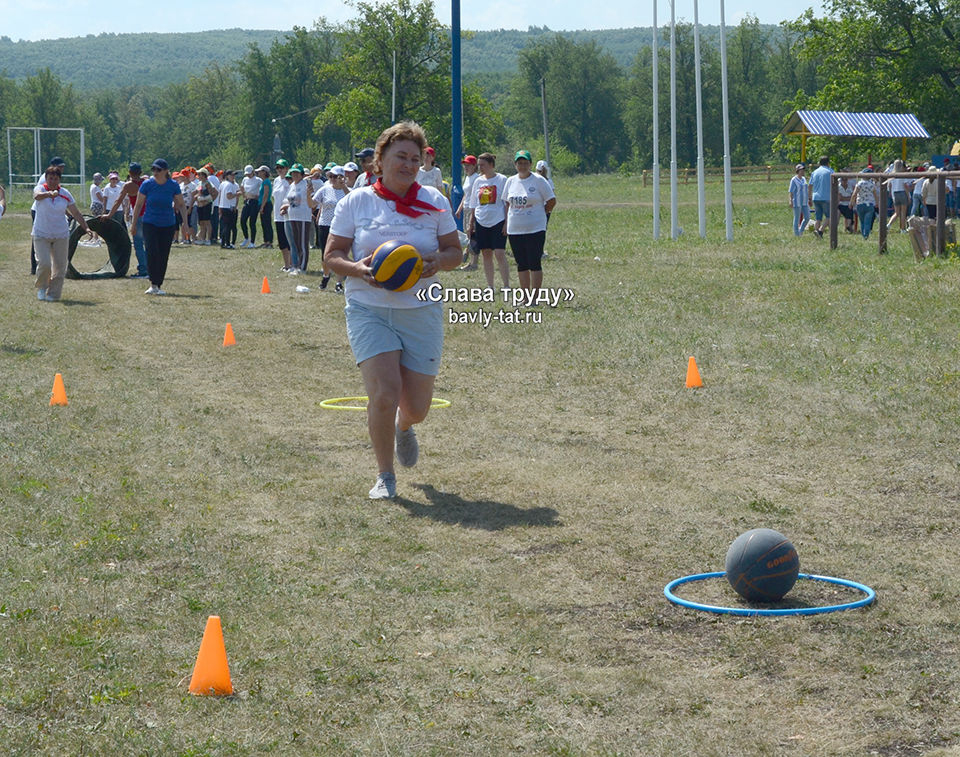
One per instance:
[(931, 192), (350, 171), (844, 192), (128, 194), (229, 195), (205, 197), (265, 201), (367, 177), (250, 190), (900, 191), (280, 188), (296, 209), (326, 199), (820, 186), (800, 200), (864, 199), (429, 174), (466, 213)]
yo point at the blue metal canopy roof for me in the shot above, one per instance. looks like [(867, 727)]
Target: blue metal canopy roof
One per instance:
[(839, 124)]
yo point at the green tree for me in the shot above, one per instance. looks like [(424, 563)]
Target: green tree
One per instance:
[(878, 55), (584, 90)]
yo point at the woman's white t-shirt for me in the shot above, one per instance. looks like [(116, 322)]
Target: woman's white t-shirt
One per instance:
[(228, 187), (110, 195), (370, 221), (430, 178), (96, 194), (298, 208), (486, 199), (51, 223), (280, 187), (527, 198), (327, 198)]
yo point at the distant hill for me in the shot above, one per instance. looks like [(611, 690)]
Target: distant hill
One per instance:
[(104, 61), (160, 59)]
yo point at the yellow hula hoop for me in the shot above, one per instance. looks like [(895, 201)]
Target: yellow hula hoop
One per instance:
[(339, 403)]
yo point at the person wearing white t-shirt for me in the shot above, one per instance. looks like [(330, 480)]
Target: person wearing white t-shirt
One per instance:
[(466, 212), (297, 210), (227, 202), (280, 187), (250, 191), (326, 199), (3, 201), (51, 233), (529, 199), (215, 212), (366, 177), (489, 215), (429, 174), (396, 338)]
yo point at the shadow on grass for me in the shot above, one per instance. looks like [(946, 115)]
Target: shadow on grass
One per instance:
[(78, 303), (483, 514)]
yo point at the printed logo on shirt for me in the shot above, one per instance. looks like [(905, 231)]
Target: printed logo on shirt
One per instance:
[(488, 195)]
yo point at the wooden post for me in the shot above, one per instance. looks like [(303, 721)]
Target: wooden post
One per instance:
[(882, 217), (834, 210), (644, 177), (941, 205), (769, 170)]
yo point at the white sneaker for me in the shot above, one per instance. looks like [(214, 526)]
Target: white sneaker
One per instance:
[(48, 298), (245, 243), (294, 272), (153, 290), (41, 294), (408, 450), (159, 291), (385, 488)]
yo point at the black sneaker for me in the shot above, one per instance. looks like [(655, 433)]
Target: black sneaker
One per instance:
[(324, 281), (339, 288)]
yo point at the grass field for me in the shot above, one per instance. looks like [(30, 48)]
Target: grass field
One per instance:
[(510, 601)]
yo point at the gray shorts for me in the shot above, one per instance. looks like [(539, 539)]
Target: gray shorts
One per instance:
[(416, 332)]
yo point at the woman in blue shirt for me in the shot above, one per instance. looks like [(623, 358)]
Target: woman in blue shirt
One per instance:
[(161, 195)]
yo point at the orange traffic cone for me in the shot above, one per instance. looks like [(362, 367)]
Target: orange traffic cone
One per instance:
[(59, 396), (211, 674), (265, 289), (228, 338), (693, 375)]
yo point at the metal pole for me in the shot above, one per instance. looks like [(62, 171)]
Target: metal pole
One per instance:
[(701, 201), (83, 160), (727, 190), (456, 116), (546, 137), (9, 165), (656, 127), (393, 103), (674, 201)]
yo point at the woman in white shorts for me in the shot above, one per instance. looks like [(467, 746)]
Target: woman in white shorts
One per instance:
[(396, 338)]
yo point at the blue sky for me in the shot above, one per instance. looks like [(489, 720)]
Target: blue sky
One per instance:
[(50, 19)]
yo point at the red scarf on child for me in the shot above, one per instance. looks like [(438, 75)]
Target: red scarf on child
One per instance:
[(407, 203)]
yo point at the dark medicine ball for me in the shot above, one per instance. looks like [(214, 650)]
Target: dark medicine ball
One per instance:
[(762, 565)]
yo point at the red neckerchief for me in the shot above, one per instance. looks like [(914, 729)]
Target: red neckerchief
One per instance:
[(46, 188), (408, 202)]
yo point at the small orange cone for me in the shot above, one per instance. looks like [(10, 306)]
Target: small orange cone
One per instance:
[(211, 674), (228, 338), (59, 396), (265, 289), (693, 375)]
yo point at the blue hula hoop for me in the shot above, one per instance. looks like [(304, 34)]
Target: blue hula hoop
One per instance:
[(870, 597)]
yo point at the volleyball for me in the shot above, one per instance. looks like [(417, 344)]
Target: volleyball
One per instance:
[(396, 265), (762, 565)]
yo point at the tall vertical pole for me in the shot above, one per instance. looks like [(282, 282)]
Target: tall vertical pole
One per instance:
[(393, 102), (674, 202), (83, 159), (456, 116), (701, 202), (727, 191), (656, 126), (546, 135)]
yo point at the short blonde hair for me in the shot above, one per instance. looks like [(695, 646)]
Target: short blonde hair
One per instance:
[(397, 133)]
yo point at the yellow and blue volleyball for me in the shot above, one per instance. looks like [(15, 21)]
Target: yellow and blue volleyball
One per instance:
[(396, 265)]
